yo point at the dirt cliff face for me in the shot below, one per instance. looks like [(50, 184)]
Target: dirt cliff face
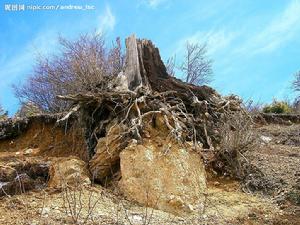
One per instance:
[(44, 138), (26, 148)]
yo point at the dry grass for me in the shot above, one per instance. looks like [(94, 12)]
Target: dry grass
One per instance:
[(238, 137)]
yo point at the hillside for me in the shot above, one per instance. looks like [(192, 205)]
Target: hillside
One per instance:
[(147, 148)]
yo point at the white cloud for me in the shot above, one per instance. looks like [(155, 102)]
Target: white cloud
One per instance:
[(14, 67), (155, 3), (152, 3), (216, 40), (283, 28), (280, 30), (107, 20)]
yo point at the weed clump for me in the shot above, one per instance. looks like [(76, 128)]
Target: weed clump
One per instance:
[(277, 107)]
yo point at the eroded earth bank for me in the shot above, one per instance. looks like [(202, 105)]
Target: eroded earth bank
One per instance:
[(150, 149)]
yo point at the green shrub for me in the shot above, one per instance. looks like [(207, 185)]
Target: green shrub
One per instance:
[(277, 107)]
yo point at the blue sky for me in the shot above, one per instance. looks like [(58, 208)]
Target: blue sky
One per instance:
[(255, 44)]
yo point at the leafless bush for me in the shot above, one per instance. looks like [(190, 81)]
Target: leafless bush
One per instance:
[(237, 138), (296, 105), (253, 107), (296, 82), (80, 66), (75, 204), (3, 114), (170, 65), (27, 109), (145, 217), (197, 68), (296, 87)]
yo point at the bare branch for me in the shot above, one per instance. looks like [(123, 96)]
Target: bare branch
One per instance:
[(170, 65), (196, 67), (81, 66), (296, 82), (3, 113)]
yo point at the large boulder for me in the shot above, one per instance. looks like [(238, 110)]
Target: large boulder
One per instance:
[(163, 175), (68, 171)]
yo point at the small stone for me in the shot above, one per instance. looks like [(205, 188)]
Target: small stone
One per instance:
[(28, 151), (190, 208), (136, 219), (216, 183), (45, 211), (265, 139)]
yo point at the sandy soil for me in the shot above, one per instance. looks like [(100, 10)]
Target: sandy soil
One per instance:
[(223, 206)]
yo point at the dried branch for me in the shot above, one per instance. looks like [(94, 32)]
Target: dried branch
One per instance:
[(82, 65), (196, 67)]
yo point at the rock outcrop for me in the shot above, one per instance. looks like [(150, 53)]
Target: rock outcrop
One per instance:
[(163, 175), (68, 171)]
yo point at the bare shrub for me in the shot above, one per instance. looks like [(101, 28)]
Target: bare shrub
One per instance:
[(3, 113), (296, 82), (27, 109), (170, 65), (253, 107), (197, 68), (76, 205), (80, 66), (296, 105), (296, 88), (145, 217), (116, 58), (237, 138)]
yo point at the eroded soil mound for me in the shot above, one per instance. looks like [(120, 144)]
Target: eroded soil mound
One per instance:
[(41, 135), (148, 135)]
